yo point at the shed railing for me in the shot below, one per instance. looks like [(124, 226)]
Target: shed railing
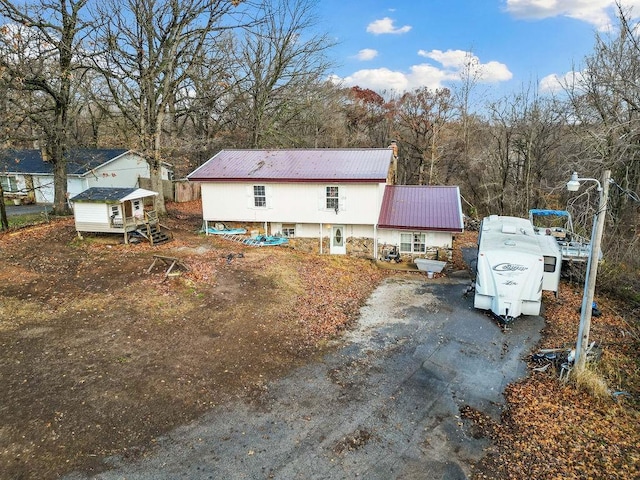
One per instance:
[(120, 222)]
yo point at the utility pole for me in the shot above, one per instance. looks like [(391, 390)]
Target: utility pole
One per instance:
[(592, 272)]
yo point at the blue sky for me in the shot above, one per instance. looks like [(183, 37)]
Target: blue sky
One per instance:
[(405, 44)]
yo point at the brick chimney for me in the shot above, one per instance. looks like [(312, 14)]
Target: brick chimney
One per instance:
[(392, 177)]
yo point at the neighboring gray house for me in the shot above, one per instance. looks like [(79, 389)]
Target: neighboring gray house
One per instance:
[(25, 174)]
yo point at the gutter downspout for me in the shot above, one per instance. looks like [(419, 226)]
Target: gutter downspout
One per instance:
[(321, 227), (375, 242)]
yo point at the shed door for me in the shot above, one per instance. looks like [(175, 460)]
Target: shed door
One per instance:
[(338, 242)]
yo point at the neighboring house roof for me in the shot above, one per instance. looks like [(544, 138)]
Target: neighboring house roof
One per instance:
[(79, 161), (296, 165), (111, 195), (417, 207)]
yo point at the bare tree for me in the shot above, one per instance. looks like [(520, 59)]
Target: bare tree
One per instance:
[(524, 154), (148, 50), (279, 59), (40, 45), (605, 98), (420, 117)]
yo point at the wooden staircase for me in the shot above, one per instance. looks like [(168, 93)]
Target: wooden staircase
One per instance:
[(153, 231)]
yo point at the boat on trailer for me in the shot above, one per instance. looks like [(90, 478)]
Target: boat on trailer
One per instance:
[(559, 225), (514, 266)]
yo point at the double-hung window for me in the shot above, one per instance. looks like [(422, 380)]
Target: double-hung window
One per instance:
[(9, 183), (259, 196), (332, 198), (413, 242)]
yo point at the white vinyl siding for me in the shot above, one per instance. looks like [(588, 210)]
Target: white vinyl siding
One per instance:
[(289, 203)]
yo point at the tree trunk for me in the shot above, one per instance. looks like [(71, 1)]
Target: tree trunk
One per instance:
[(61, 196), (4, 222), (155, 171)]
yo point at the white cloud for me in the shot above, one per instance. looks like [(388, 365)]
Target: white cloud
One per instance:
[(425, 75), (385, 26), (452, 65), (595, 12), (449, 59), (378, 79), (495, 72), (555, 83), (367, 54), (456, 61)]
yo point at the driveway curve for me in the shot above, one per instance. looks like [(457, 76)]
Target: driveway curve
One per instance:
[(384, 404)]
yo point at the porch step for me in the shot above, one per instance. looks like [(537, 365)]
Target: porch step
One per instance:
[(154, 234)]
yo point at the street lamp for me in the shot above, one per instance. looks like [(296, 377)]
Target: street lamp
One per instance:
[(592, 264)]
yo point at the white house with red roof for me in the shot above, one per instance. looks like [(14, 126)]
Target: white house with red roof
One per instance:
[(341, 200), (418, 218)]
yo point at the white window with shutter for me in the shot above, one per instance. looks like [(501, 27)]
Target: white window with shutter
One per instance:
[(259, 196), (332, 198)]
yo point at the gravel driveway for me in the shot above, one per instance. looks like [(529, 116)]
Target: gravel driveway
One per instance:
[(385, 404)]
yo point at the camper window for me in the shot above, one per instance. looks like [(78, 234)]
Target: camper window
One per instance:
[(549, 264)]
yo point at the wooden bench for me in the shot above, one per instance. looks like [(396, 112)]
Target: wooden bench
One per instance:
[(170, 262)]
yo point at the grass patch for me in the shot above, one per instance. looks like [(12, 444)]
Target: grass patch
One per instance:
[(18, 221), (591, 381)]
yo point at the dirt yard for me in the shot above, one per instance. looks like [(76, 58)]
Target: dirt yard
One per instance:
[(99, 358)]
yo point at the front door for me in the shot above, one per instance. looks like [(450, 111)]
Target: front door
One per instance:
[(338, 244)]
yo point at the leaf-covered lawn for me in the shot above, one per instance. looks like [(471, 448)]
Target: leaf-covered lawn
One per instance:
[(558, 430)]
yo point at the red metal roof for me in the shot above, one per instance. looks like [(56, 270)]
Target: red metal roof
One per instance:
[(417, 207), (299, 165)]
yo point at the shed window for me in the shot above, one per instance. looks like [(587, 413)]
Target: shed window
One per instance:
[(413, 242), (259, 196), (9, 183), (333, 198)]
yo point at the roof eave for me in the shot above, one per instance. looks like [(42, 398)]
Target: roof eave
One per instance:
[(422, 228), (287, 180)]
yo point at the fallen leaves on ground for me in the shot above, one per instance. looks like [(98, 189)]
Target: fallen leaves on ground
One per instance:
[(553, 429)]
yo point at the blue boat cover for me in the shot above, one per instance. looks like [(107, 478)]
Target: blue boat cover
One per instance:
[(547, 213)]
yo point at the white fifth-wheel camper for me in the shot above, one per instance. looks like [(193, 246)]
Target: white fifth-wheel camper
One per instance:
[(514, 266)]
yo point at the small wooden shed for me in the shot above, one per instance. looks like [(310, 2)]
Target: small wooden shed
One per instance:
[(110, 210)]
